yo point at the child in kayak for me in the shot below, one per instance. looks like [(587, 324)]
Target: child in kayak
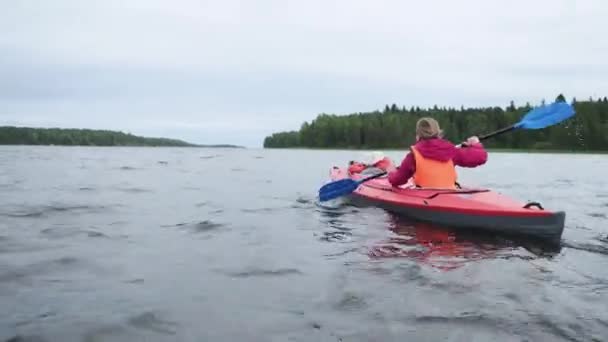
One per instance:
[(432, 160), (376, 162)]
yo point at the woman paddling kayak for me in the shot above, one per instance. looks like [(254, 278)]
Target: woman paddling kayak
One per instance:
[(431, 161)]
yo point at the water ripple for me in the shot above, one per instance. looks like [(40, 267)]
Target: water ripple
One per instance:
[(60, 232), (351, 302), (45, 210), (26, 338), (198, 227), (587, 247), (258, 272), (211, 157), (44, 267), (134, 190), (150, 321)]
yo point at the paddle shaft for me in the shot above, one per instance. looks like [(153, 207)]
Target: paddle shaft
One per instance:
[(498, 132), (372, 177), (493, 134)]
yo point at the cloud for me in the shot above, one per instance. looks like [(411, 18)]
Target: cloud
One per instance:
[(234, 70)]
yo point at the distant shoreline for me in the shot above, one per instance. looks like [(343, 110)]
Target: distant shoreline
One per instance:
[(15, 136), (150, 146)]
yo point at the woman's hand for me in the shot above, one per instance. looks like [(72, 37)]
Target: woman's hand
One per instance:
[(471, 141)]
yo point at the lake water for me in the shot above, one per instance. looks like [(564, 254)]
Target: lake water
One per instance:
[(169, 244)]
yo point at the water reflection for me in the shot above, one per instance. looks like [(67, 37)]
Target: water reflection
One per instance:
[(438, 246), (447, 249)]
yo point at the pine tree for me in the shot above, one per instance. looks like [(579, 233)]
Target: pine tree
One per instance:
[(511, 107)]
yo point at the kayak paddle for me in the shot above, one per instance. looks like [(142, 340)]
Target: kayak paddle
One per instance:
[(537, 118), (343, 187)]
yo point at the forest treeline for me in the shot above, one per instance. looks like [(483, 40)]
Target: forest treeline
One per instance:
[(56, 136), (394, 127)]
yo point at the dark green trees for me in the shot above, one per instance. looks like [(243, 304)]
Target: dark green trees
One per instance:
[(394, 128), (54, 136)]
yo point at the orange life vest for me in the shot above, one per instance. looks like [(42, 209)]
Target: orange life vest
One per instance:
[(433, 173)]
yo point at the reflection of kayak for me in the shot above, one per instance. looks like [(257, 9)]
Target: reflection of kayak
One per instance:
[(432, 245), (448, 249), (463, 208)]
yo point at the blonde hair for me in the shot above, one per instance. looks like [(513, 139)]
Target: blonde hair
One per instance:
[(427, 128)]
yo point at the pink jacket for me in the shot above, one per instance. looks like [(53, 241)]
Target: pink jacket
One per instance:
[(441, 150)]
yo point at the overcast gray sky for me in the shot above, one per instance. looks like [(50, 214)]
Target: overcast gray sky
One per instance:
[(235, 71)]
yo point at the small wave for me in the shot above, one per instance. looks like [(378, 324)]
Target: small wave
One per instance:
[(206, 226), (41, 211), (336, 236), (118, 223), (95, 234), (342, 253), (151, 322), (135, 281), (597, 215), (211, 157), (315, 325), (162, 162), (513, 296), (36, 269), (260, 210), (134, 190), (86, 188), (258, 157), (587, 247), (303, 203), (331, 205), (26, 338), (304, 200), (237, 169), (463, 318), (571, 332), (351, 301), (197, 227), (127, 168), (264, 273), (63, 232)]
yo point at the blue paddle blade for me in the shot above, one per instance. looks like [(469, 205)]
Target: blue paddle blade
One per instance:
[(343, 187), (546, 116), (337, 189)]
